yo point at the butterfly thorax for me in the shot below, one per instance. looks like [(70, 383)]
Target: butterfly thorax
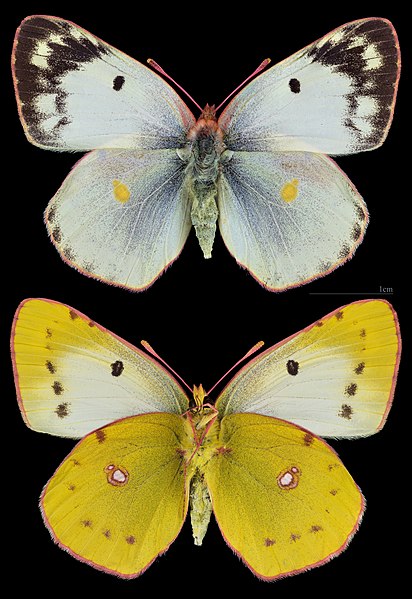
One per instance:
[(204, 149)]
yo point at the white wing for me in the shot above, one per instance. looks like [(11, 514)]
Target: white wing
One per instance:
[(288, 217), (74, 376), (335, 378), (122, 216), (335, 96), (75, 92)]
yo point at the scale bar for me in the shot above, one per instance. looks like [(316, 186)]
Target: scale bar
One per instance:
[(351, 293)]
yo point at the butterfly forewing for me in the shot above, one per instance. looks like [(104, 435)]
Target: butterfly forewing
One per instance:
[(75, 92), (335, 96), (73, 376), (336, 377)]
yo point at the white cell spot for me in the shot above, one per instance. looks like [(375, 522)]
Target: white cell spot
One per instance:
[(119, 476), (286, 479), (289, 479), (116, 475)]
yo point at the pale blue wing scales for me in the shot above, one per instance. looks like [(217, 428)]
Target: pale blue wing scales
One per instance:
[(335, 96), (288, 217), (122, 216), (75, 92)]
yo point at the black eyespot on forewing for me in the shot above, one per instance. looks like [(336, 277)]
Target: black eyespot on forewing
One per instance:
[(118, 83), (117, 368), (294, 85), (292, 367)]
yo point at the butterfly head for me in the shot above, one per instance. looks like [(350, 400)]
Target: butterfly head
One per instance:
[(209, 113)]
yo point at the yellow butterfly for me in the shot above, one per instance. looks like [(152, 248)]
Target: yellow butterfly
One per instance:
[(281, 496)]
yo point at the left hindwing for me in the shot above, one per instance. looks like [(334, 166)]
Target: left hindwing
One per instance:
[(75, 92), (122, 216), (73, 376), (289, 217), (335, 96), (282, 498), (336, 377), (119, 499)]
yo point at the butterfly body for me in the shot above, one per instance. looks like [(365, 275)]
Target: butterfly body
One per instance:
[(205, 148)]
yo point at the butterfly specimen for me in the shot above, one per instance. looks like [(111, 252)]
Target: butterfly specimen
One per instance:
[(285, 210), (281, 496)]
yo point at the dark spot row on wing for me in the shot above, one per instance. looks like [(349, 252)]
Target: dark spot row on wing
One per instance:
[(351, 389), (359, 368), (100, 436), (344, 251), (346, 411), (57, 388), (50, 367), (62, 410)]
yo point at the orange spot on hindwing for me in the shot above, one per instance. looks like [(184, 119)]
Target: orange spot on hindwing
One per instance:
[(289, 191), (121, 192)]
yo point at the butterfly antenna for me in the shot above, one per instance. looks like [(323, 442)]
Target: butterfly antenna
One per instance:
[(262, 66), (150, 349), (156, 66), (252, 350)]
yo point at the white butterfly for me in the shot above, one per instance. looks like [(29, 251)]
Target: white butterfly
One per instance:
[(286, 211)]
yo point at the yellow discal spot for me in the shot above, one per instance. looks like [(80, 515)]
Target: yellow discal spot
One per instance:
[(289, 191), (121, 192)]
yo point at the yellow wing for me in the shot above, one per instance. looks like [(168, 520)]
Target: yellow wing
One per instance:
[(282, 498), (336, 377), (73, 375), (119, 499)]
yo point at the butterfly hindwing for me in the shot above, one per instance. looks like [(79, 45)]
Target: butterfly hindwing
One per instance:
[(282, 498), (74, 376), (119, 498), (335, 96), (75, 92), (336, 377), (122, 216), (289, 217)]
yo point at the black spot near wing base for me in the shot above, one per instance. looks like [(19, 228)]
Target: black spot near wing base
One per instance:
[(345, 54), (65, 53)]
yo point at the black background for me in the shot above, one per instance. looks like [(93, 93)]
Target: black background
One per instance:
[(201, 316)]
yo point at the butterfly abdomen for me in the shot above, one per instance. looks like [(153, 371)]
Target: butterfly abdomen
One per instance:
[(206, 141)]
